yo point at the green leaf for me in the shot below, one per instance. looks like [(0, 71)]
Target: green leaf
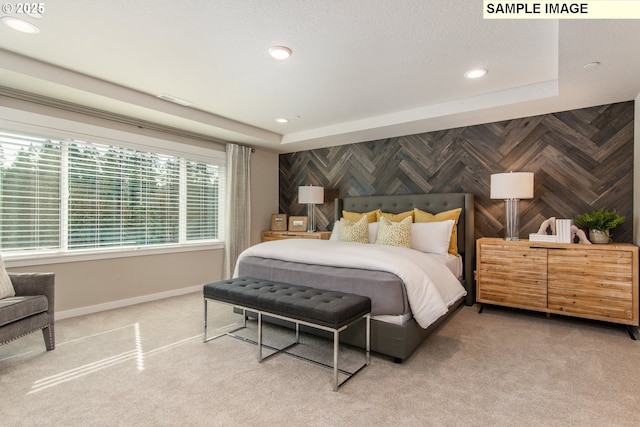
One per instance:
[(600, 219)]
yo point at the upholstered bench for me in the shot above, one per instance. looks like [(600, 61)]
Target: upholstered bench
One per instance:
[(326, 310)]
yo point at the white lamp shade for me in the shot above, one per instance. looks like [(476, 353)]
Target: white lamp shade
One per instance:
[(512, 185), (311, 194)]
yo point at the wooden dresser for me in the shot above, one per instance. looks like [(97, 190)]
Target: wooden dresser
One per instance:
[(279, 235), (598, 282)]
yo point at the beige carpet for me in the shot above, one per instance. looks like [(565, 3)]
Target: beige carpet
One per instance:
[(146, 365)]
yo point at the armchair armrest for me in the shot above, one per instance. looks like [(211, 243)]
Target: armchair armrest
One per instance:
[(35, 284), (28, 284)]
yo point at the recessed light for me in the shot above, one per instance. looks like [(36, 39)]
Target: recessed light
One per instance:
[(20, 25), (280, 52), (474, 74), (282, 120)]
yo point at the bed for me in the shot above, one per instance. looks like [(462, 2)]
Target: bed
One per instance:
[(399, 323)]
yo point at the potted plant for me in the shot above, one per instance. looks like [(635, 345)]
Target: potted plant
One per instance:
[(599, 223)]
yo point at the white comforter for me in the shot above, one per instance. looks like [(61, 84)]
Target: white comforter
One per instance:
[(431, 286)]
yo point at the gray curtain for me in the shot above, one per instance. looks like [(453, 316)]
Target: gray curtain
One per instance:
[(238, 205)]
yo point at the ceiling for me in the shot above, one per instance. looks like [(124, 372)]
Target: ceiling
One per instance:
[(361, 70)]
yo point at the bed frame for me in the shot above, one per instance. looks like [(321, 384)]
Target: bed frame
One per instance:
[(399, 341)]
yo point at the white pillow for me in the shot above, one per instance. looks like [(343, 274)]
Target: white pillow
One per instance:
[(6, 287), (373, 231), (432, 237), (335, 234)]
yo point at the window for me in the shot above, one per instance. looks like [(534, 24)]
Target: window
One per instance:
[(68, 195)]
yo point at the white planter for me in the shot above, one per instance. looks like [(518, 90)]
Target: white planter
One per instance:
[(599, 236)]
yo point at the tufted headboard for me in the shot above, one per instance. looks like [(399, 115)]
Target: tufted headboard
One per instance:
[(433, 203)]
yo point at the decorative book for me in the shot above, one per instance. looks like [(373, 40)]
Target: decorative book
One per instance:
[(533, 237)]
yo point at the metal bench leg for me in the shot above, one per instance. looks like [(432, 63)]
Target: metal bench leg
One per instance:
[(336, 341), (336, 346), (205, 321), (206, 338), (259, 336), (368, 338)]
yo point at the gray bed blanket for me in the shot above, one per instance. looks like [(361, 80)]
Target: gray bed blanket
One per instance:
[(386, 290)]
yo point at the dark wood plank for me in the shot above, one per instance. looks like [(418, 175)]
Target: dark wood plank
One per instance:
[(582, 160)]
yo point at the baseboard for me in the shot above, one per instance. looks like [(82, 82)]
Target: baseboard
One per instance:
[(75, 312)]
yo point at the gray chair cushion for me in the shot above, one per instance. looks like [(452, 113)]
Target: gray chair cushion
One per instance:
[(327, 308), (16, 308)]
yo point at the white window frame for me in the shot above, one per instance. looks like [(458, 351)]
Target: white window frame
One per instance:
[(60, 129)]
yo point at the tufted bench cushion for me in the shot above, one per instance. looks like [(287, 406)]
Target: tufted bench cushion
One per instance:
[(328, 308)]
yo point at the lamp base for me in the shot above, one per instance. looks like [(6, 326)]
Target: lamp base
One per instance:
[(311, 219), (512, 226)]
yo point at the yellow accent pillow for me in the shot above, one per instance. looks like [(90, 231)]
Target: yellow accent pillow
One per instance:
[(394, 217), (454, 214), (395, 233), (355, 216), (350, 231)]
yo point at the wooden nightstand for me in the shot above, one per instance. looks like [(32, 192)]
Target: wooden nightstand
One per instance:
[(279, 235), (598, 282)]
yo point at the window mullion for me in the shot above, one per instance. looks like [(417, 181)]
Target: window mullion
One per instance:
[(64, 199), (182, 213)]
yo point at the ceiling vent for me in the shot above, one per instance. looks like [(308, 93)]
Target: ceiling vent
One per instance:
[(175, 100)]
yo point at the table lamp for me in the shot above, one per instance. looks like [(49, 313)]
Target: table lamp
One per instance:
[(311, 195), (512, 187)]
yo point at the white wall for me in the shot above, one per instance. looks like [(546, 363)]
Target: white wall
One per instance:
[(264, 191), (88, 286)]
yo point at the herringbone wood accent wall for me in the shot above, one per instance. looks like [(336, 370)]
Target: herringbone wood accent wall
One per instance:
[(582, 160)]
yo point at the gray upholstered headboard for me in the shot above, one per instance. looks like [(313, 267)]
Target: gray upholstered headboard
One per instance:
[(432, 203)]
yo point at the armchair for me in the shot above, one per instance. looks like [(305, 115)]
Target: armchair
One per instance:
[(32, 308)]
